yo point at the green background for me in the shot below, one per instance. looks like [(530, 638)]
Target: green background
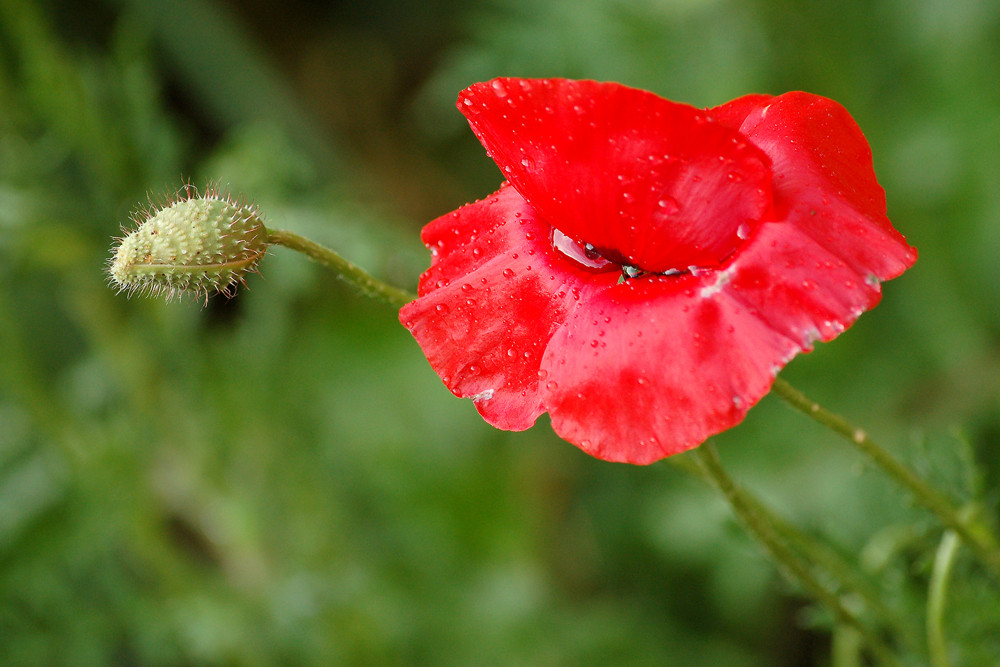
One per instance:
[(281, 478)]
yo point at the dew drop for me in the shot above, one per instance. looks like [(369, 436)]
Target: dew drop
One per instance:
[(466, 287), (508, 273), (441, 308), (668, 206), (511, 353), (551, 385)]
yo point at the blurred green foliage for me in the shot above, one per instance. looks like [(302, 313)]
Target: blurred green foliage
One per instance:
[(281, 479)]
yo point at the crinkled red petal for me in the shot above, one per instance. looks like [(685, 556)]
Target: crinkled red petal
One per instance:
[(488, 305), (818, 266), (825, 183), (651, 367), (654, 182)]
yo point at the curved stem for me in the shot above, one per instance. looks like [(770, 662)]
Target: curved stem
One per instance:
[(348, 272), (937, 596), (976, 536), (780, 552), (814, 551)]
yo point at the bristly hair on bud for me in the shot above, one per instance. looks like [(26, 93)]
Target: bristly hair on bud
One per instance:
[(193, 243)]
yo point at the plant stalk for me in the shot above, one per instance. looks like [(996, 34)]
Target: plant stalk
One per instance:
[(982, 543), (344, 269)]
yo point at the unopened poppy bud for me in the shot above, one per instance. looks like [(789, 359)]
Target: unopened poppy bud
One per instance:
[(200, 244)]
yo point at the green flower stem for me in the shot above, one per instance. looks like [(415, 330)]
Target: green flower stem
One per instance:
[(937, 597), (814, 551), (841, 574), (974, 534), (782, 554), (348, 272)]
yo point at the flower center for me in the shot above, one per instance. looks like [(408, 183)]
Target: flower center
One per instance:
[(597, 260)]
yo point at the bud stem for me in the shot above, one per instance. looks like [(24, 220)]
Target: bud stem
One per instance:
[(348, 272)]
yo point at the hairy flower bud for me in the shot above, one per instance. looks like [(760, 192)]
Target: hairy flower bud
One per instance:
[(201, 244)]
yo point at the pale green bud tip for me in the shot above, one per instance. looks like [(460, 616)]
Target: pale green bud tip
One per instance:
[(195, 243)]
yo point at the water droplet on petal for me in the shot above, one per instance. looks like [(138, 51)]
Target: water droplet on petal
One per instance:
[(508, 273), (668, 206)]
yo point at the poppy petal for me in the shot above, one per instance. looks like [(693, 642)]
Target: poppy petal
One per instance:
[(623, 170), (824, 181), (811, 272), (650, 368), (489, 304)]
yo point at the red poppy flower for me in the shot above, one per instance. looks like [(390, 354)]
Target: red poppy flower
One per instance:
[(649, 267)]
